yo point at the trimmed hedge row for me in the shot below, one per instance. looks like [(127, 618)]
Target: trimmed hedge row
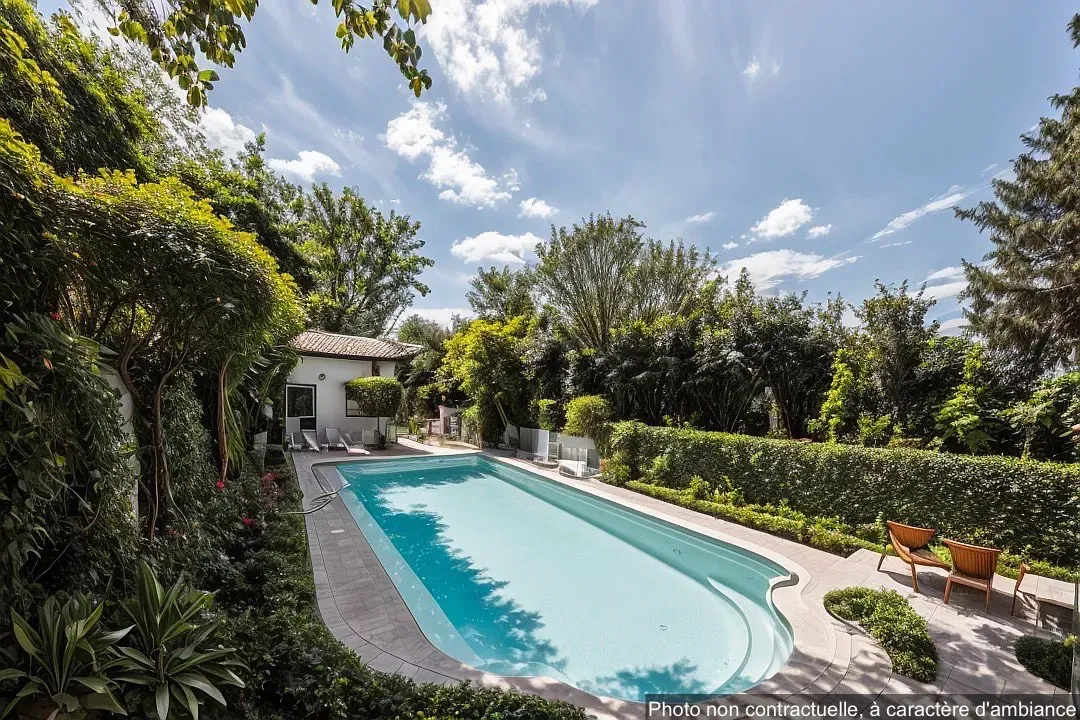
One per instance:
[(1029, 508), (809, 531)]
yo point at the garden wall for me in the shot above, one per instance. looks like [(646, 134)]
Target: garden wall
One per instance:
[(1029, 508)]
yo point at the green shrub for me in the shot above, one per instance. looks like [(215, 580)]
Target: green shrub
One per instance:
[(547, 414), (889, 618), (821, 533), (376, 397), (1050, 660), (589, 416), (984, 500)]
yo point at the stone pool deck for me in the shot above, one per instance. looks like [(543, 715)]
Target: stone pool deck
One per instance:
[(362, 608)]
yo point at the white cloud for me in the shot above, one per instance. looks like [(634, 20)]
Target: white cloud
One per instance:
[(487, 48), (701, 218), (536, 96), (896, 244), (942, 202), (818, 231), (730, 245), (444, 316), (307, 164), (223, 133), (945, 274), (947, 290), (768, 269), (752, 69), (536, 208), (775, 68), (783, 220), (510, 249), (989, 168), (954, 326), (414, 134)]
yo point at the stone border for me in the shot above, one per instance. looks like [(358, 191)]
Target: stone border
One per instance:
[(361, 605)]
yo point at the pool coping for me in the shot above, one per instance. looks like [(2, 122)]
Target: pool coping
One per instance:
[(362, 607)]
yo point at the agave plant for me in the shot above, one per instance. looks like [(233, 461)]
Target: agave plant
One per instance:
[(170, 653), (66, 662)]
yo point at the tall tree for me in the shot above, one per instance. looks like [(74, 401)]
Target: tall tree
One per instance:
[(668, 279), (500, 294), (365, 266), (604, 273), (1026, 293), (895, 344), (586, 274)]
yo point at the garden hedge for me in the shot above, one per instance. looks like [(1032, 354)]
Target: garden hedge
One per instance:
[(1029, 508), (375, 396)]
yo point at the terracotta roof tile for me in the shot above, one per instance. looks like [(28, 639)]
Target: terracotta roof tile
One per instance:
[(317, 342)]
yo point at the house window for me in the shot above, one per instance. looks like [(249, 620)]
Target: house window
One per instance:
[(351, 409), (300, 404), (374, 369)]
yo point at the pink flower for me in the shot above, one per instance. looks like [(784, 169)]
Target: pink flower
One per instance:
[(269, 477), (248, 522), (220, 484), (56, 316)]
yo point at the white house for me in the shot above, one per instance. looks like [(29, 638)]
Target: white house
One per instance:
[(315, 391)]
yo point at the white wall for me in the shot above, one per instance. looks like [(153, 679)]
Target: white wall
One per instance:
[(330, 392)]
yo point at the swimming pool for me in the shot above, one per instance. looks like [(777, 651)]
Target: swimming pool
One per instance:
[(518, 575)]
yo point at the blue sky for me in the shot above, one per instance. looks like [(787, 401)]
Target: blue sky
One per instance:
[(819, 144)]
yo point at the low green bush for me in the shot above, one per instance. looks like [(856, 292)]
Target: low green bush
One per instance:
[(889, 618), (983, 500), (816, 532), (299, 669), (589, 416), (1050, 660)]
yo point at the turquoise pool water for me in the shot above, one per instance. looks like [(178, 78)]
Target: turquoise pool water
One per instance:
[(518, 575)]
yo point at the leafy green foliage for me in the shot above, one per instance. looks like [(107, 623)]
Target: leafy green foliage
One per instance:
[(365, 266), (589, 416), (73, 102), (174, 29), (501, 294), (375, 396), (782, 521), (66, 659), (547, 412), (172, 657), (890, 619), (984, 500), (604, 273), (962, 416), (1048, 659), (1045, 420), (484, 359)]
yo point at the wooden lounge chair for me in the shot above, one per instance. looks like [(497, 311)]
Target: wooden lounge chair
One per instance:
[(910, 545), (973, 566)]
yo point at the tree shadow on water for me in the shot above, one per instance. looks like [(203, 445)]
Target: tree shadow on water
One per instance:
[(495, 627), (677, 678)]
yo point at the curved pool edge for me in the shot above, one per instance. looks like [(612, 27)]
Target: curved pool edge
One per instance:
[(362, 607)]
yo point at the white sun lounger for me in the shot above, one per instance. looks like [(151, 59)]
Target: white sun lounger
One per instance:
[(335, 437), (311, 440)]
